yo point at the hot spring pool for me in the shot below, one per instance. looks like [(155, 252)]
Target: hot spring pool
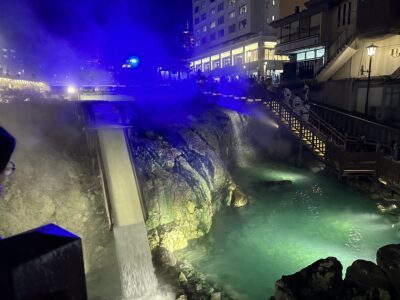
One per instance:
[(285, 229)]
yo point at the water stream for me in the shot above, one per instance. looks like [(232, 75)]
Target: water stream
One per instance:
[(286, 228)]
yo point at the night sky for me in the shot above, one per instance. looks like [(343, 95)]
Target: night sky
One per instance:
[(49, 31)]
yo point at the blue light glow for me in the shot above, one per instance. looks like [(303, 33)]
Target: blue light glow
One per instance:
[(134, 61), (52, 229)]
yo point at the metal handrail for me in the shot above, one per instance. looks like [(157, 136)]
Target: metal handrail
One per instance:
[(322, 123), (355, 117)]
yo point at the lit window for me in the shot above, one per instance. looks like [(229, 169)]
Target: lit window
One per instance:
[(231, 2), (243, 9), (232, 14), (213, 24), (273, 2), (213, 11), (204, 28), (301, 56), (273, 18)]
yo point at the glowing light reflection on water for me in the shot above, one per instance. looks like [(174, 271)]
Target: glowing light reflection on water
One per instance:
[(287, 228)]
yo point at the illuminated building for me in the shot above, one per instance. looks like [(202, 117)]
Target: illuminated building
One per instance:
[(233, 37), (328, 41)]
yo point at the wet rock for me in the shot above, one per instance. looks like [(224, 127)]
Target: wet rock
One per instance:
[(239, 199), (163, 257), (183, 175), (365, 279), (388, 258), (216, 296), (321, 280), (182, 278)]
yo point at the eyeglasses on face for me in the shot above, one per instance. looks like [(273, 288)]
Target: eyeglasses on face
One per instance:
[(10, 168)]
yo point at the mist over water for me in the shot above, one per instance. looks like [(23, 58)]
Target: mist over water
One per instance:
[(285, 229)]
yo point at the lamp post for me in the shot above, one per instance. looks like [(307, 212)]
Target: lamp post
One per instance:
[(371, 52)]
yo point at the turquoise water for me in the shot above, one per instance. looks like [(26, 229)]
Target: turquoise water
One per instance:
[(285, 229)]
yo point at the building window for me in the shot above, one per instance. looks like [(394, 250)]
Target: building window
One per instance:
[(198, 32), (207, 66), (197, 20), (238, 59), (270, 55), (221, 33), (197, 43), (226, 62), (203, 17), (232, 28), (221, 6), (273, 18), (252, 56), (339, 14), (221, 20), (242, 24), (294, 30), (203, 5), (349, 14), (273, 2), (212, 1), (204, 28), (213, 11), (243, 9), (344, 14), (305, 27), (204, 40), (231, 2), (213, 36), (213, 24), (196, 9), (216, 64), (232, 14)]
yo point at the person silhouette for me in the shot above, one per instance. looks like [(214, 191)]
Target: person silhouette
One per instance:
[(7, 146)]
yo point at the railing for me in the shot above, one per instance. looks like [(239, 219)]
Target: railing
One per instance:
[(355, 126), (308, 134), (350, 163), (313, 132)]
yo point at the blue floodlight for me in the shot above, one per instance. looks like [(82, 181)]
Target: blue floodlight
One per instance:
[(134, 61)]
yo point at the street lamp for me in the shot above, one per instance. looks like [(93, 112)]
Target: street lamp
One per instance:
[(371, 52)]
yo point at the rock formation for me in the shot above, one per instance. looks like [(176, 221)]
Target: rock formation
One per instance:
[(182, 169), (364, 280)]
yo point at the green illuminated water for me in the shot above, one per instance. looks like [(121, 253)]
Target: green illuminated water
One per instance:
[(285, 229)]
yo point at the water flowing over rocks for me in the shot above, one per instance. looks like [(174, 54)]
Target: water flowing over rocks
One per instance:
[(364, 280), (183, 175)]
